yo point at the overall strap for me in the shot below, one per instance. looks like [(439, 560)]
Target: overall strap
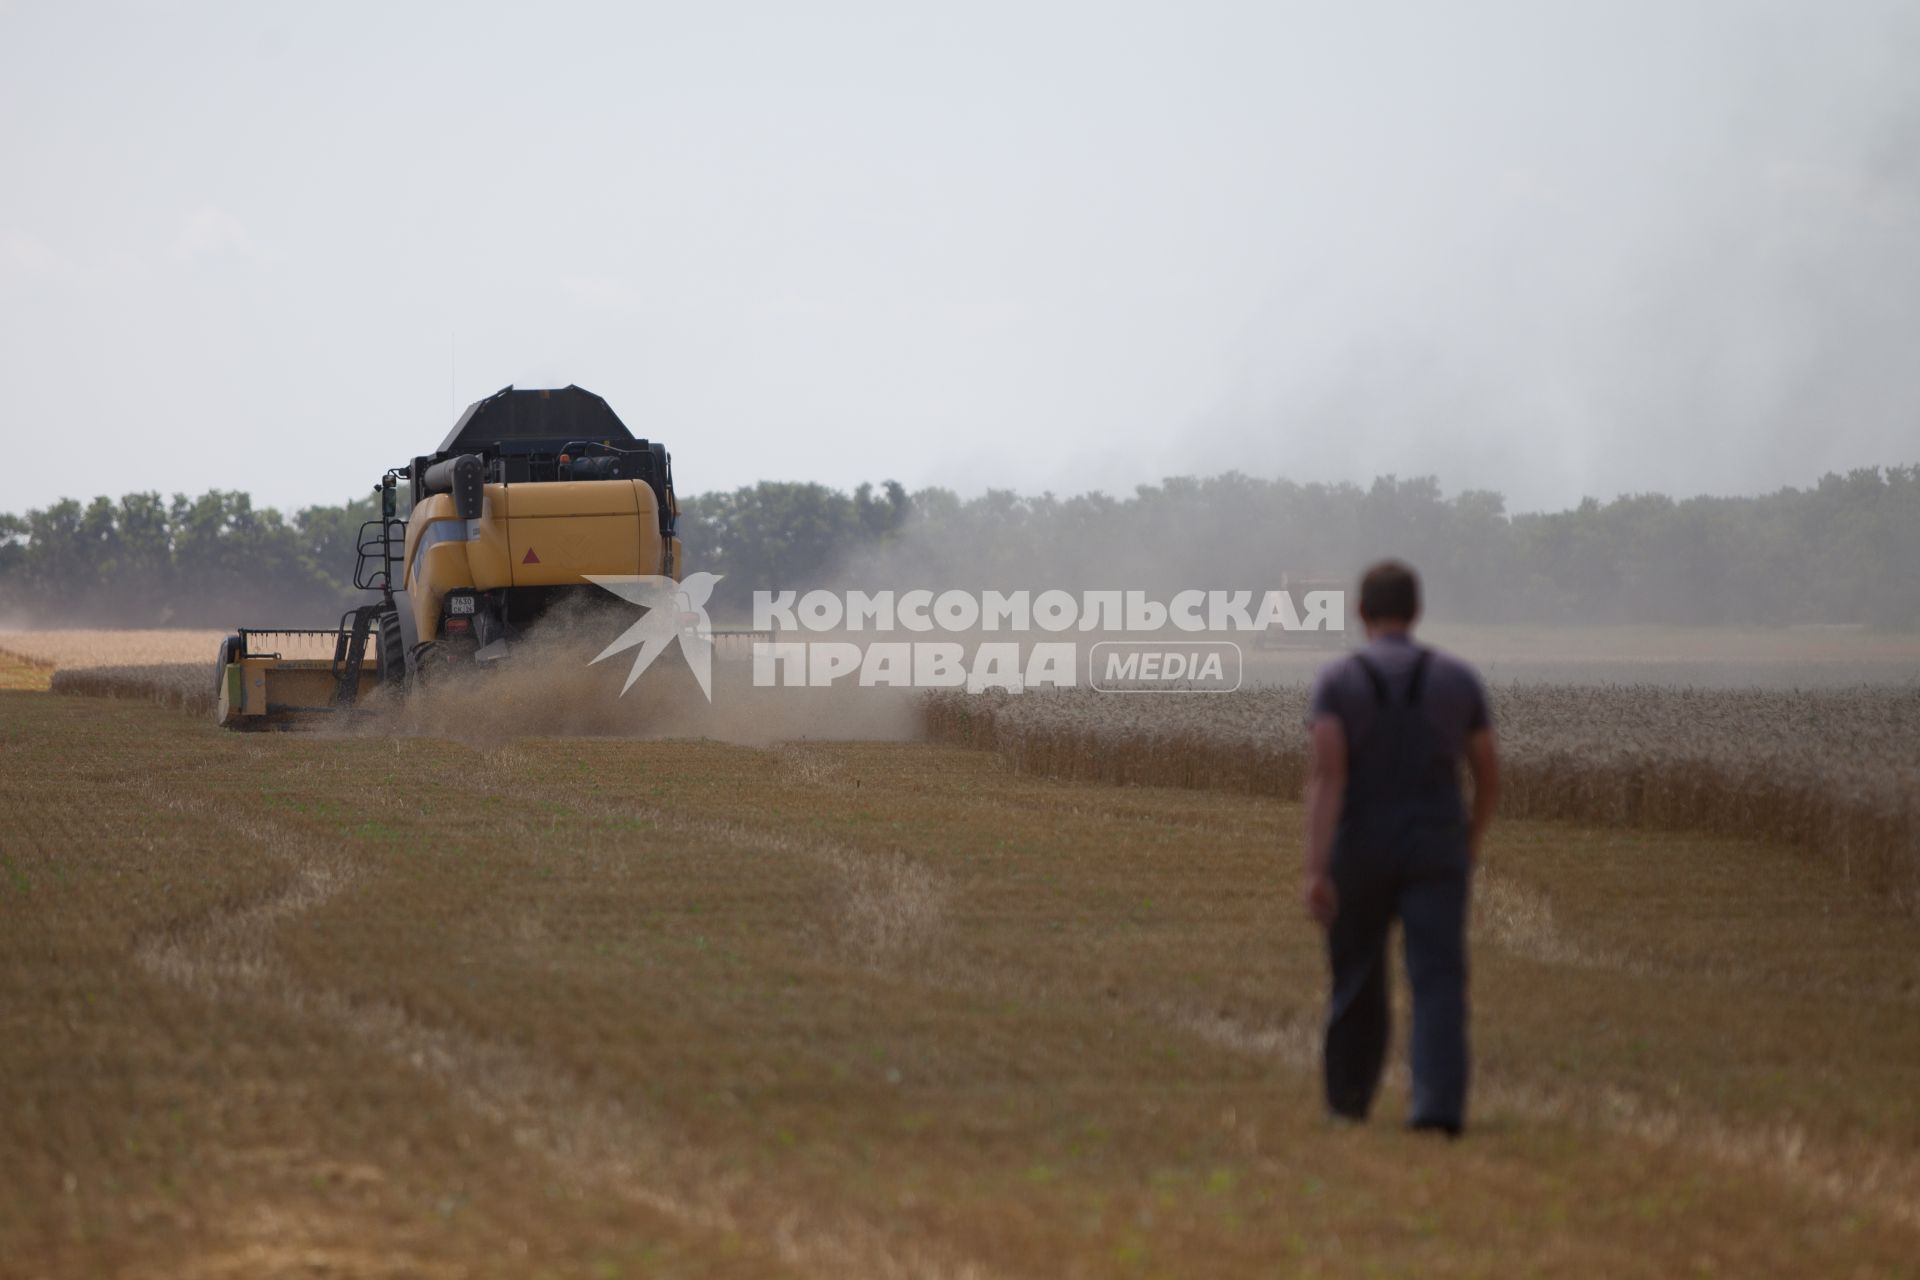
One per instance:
[(1419, 680), (1374, 678), (1379, 681)]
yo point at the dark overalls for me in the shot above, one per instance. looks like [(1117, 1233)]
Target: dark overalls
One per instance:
[(1400, 850)]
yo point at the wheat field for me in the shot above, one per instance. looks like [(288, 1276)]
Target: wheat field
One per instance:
[(172, 668), (72, 650), (1835, 772), (354, 1005), (434, 997)]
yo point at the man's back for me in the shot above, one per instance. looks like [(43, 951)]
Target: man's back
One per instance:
[(1452, 699)]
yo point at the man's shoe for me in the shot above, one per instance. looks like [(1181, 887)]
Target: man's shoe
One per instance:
[(1450, 1128)]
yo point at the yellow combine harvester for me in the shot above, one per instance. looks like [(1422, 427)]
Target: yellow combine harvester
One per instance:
[(529, 494)]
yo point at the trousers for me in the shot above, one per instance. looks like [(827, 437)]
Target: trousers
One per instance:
[(1420, 878)]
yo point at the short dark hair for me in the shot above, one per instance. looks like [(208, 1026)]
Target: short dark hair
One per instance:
[(1390, 592)]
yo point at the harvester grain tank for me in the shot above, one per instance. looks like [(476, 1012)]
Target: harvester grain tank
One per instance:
[(529, 494)]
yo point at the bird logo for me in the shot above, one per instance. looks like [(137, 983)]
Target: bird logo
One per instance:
[(674, 611)]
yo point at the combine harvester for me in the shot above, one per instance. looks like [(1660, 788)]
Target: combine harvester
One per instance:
[(529, 494)]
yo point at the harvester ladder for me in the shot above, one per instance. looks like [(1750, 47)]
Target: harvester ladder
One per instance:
[(381, 546), (350, 652)]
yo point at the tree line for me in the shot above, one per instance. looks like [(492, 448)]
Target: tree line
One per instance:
[(1842, 550), (211, 561)]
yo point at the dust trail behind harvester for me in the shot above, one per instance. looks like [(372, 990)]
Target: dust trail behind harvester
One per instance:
[(551, 687)]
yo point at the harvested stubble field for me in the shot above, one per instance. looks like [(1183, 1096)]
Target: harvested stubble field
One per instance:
[(1835, 772), (364, 1005)]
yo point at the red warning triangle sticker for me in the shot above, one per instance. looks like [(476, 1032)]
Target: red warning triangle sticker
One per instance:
[(530, 557)]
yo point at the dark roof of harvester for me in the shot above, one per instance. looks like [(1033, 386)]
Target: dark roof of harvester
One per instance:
[(569, 413)]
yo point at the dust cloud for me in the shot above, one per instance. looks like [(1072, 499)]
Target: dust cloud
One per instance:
[(549, 686), (1470, 601)]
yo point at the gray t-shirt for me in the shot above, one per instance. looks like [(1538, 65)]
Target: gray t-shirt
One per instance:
[(1452, 696)]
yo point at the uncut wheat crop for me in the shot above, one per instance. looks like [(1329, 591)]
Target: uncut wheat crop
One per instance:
[(184, 686), (69, 650), (1834, 772), (172, 668)]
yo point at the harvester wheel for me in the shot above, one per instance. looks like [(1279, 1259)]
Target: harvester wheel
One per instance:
[(392, 651), (429, 663), (229, 654)]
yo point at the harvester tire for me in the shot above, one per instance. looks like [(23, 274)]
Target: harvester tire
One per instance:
[(229, 654), (429, 663), (392, 653)]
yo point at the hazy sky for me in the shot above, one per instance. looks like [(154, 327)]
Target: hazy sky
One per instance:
[(1550, 248)]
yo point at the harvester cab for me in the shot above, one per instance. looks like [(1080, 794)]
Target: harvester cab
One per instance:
[(530, 494)]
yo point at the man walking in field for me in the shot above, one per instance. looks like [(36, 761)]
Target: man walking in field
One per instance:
[(1388, 838)]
